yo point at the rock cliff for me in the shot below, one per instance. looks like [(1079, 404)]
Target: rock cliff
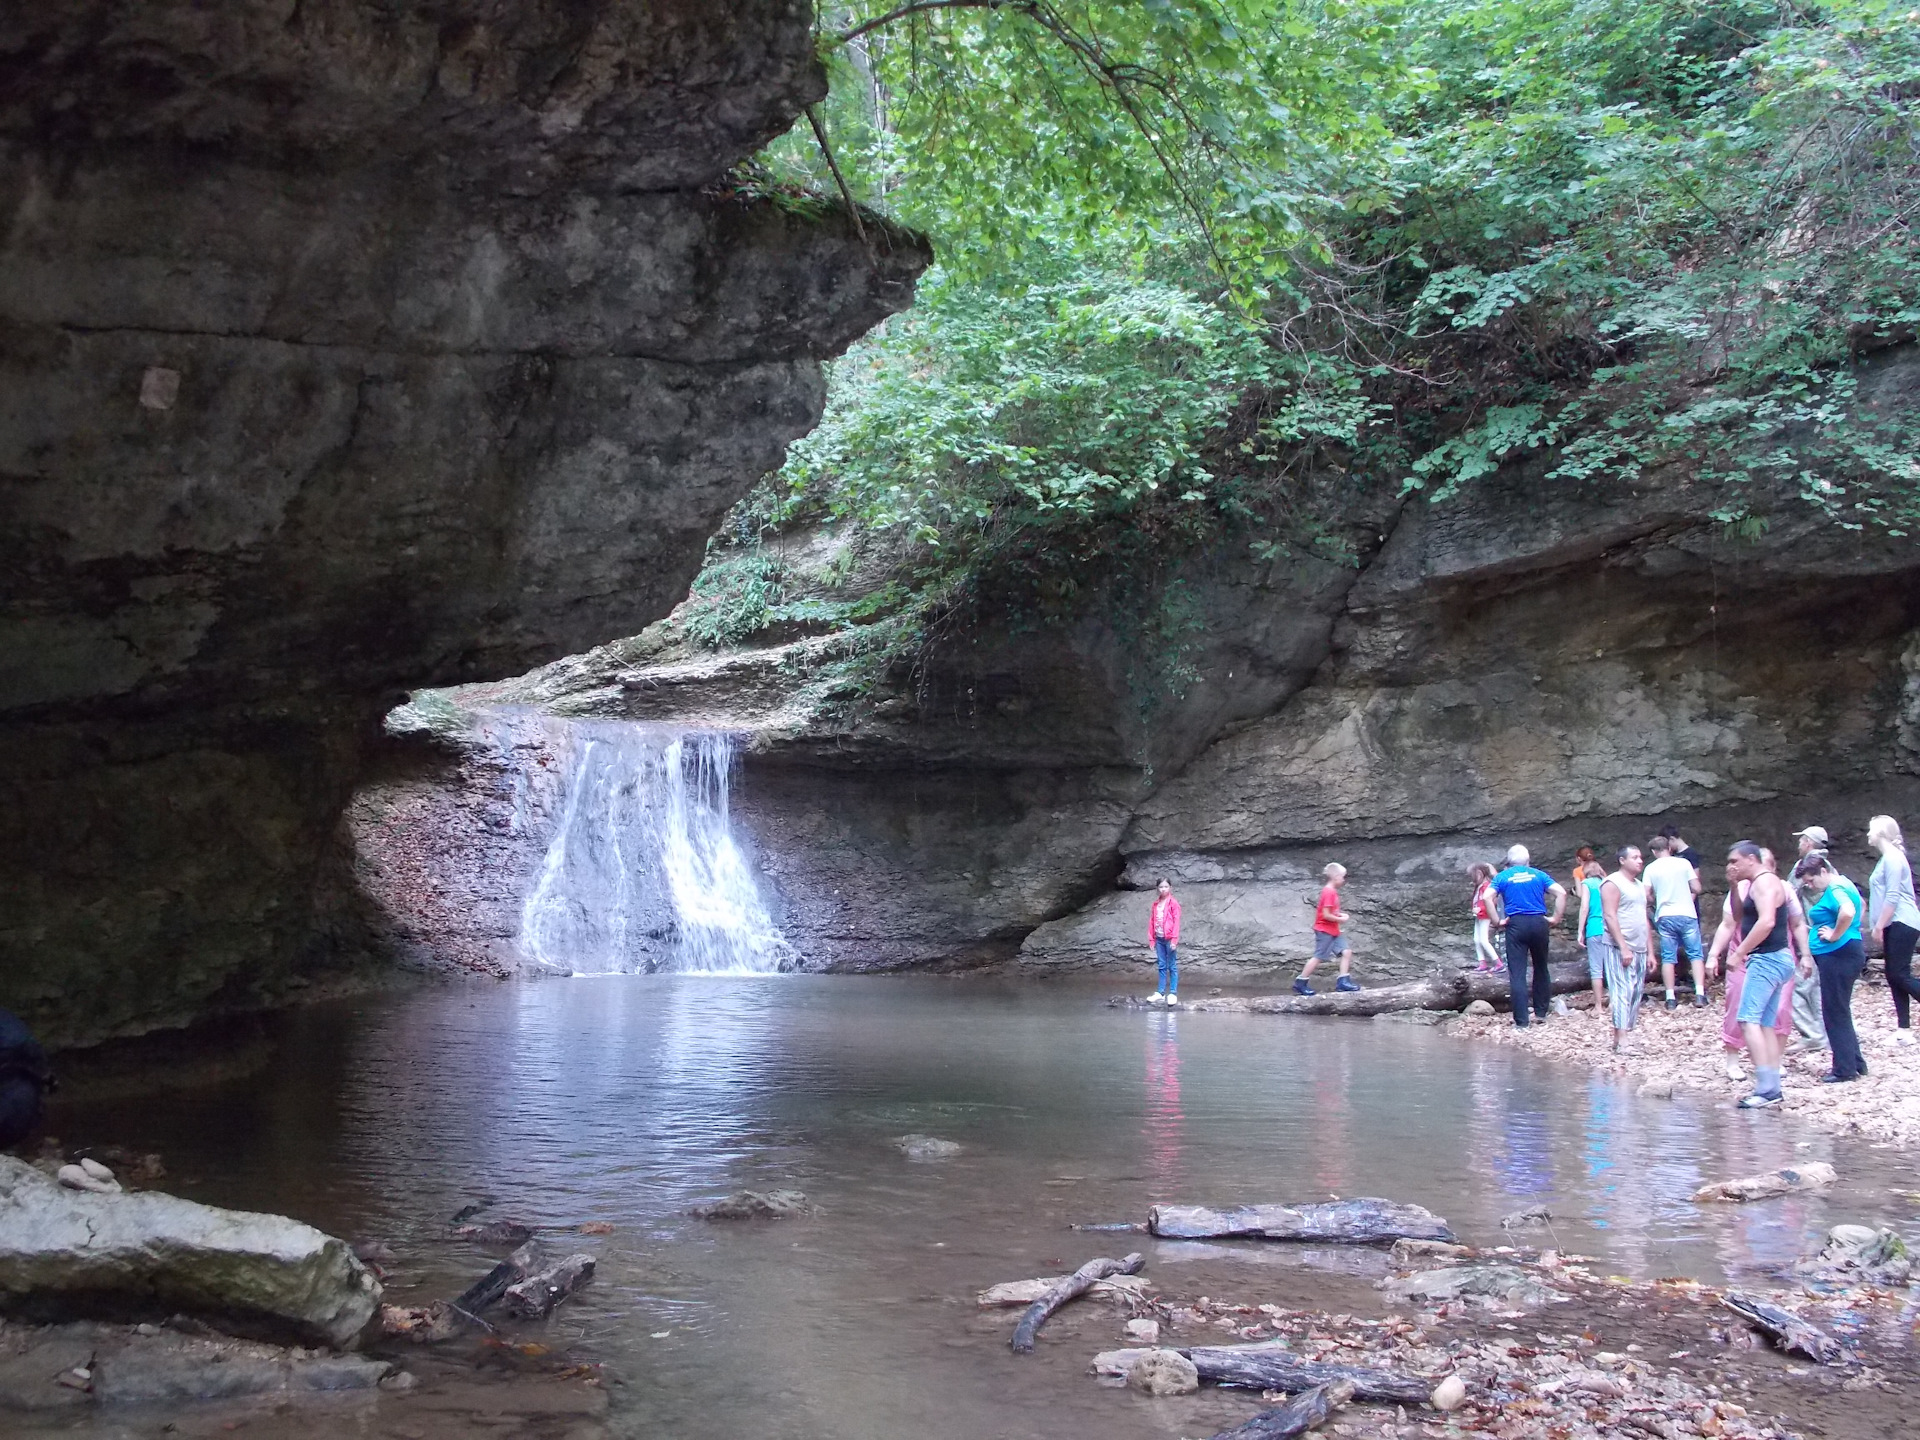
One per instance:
[(351, 347), (1552, 664)]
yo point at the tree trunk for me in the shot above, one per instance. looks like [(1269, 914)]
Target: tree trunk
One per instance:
[(1077, 1283), (1296, 1417), (1450, 990), (1343, 1222), (1280, 1369), (536, 1295)]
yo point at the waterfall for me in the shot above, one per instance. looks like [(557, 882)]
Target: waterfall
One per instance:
[(643, 871)]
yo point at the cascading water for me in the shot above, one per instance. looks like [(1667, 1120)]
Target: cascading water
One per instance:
[(643, 872)]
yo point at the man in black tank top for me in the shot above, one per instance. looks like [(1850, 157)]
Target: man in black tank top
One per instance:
[(1766, 948)]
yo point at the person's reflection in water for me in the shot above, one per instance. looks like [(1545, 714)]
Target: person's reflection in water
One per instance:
[(1625, 1208), (1166, 1122)]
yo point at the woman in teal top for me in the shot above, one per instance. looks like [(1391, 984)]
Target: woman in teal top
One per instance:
[(1593, 929), (1833, 934)]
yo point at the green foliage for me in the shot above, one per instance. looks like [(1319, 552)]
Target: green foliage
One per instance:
[(1200, 255)]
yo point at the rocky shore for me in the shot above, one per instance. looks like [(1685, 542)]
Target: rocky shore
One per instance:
[(1680, 1051)]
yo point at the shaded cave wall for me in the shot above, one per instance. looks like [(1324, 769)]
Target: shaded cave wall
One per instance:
[(348, 348)]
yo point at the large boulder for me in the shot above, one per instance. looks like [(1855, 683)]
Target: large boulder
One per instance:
[(65, 1254)]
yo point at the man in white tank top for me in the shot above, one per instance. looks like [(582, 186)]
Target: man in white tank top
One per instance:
[(1623, 900)]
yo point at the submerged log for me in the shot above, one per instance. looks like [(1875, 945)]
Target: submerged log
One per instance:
[(1272, 1367), (1784, 1181), (536, 1295), (1340, 1222), (492, 1285), (1788, 1330), (1296, 1417), (1059, 1294), (1123, 1288), (1449, 990)]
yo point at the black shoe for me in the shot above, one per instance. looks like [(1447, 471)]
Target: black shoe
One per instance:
[(1672, 1003), (1700, 1002), (1831, 1079)]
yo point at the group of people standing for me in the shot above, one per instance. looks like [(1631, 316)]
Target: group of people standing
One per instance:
[(1792, 952)]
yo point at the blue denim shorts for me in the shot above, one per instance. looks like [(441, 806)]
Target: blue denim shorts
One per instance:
[(1326, 946), (1767, 975), (1679, 932)]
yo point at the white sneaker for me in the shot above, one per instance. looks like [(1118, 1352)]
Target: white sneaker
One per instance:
[(1173, 997), (1156, 998), (1735, 1070)]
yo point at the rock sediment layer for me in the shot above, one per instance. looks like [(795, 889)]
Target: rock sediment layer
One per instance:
[(1560, 665)]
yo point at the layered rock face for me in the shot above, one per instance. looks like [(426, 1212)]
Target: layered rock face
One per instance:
[(1554, 665), (351, 347)]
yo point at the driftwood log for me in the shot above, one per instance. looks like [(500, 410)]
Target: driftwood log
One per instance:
[(1340, 1222), (1060, 1293), (1447, 990), (1788, 1330), (1262, 1367), (1296, 1417), (471, 1302), (536, 1295)]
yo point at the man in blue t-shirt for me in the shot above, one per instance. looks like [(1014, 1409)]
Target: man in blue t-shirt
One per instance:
[(1519, 897)]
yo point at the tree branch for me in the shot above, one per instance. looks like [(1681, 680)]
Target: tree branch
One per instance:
[(846, 36), (853, 206)]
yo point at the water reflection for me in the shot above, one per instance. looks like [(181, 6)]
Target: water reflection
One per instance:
[(1165, 1121), (628, 1098)]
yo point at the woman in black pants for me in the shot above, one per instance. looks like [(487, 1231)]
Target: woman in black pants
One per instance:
[(1893, 917), (1833, 926)]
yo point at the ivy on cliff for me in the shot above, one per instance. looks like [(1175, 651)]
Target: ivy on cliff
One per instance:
[(1194, 249)]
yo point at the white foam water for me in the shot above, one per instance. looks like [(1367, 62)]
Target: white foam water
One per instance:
[(643, 872)]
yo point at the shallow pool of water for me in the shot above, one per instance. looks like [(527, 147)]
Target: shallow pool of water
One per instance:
[(628, 1099)]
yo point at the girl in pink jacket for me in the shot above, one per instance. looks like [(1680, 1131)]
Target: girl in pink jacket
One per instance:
[(1163, 935)]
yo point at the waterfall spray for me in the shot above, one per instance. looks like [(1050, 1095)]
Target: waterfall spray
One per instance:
[(644, 872)]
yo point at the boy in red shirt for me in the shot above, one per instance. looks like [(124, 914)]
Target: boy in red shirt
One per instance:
[(1328, 942)]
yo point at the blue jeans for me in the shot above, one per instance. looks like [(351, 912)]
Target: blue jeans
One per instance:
[(1677, 933), (1169, 966)]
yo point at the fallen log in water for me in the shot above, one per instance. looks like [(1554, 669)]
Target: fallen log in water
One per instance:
[(535, 1296), (1784, 1181), (1296, 1417), (492, 1285), (1342, 1222), (1448, 990), (1272, 1367), (1059, 1294), (1788, 1330), (1122, 1288)]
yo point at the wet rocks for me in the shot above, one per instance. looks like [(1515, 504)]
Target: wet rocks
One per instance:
[(88, 1175), (1528, 1218), (1478, 1007), (494, 1232), (1787, 1180), (756, 1205), (1143, 1331), (1163, 1372), (67, 1253), (926, 1147), (1449, 1394), (67, 1366), (1859, 1255), (1504, 1284)]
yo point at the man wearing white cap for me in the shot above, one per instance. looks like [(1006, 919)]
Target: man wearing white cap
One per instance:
[(1809, 1027)]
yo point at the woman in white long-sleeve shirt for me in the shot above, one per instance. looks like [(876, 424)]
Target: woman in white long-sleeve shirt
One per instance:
[(1893, 917)]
